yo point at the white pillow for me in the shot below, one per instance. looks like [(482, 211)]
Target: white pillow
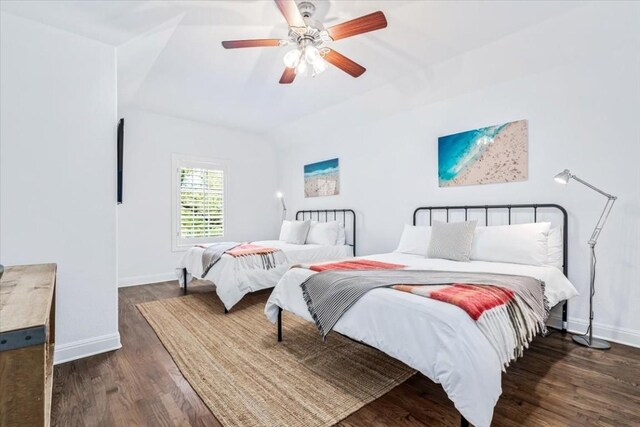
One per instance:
[(323, 233), (451, 240), (284, 230), (517, 244), (342, 235), (414, 240), (554, 248), (298, 232)]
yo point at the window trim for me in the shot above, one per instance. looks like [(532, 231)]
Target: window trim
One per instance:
[(182, 160)]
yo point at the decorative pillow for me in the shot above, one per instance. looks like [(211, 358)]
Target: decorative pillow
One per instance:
[(342, 235), (517, 244), (451, 240), (323, 233), (414, 240), (298, 232), (284, 230), (554, 248)]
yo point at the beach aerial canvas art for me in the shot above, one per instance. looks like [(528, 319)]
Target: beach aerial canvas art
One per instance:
[(322, 178), (484, 156)]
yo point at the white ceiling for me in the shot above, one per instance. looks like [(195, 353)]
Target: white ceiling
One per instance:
[(171, 61)]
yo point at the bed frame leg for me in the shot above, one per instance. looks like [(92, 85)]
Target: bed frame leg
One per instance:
[(184, 276), (463, 422), (565, 323), (279, 324), (225, 310)]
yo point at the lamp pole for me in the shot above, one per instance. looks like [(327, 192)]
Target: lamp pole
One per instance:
[(280, 196), (587, 339)]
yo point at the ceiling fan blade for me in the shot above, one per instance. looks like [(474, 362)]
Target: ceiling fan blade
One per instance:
[(235, 44), (364, 24), (288, 76), (291, 13), (344, 63)]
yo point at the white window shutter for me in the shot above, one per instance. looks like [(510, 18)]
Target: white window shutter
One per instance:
[(201, 203)]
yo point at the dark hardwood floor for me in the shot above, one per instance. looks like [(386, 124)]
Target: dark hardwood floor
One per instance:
[(556, 383)]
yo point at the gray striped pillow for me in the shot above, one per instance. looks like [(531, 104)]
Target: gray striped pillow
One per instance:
[(451, 240)]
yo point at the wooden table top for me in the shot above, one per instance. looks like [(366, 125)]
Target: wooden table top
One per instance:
[(26, 294)]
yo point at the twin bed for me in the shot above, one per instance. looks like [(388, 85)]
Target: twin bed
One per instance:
[(234, 277), (437, 338)]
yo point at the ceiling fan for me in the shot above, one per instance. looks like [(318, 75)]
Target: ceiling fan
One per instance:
[(309, 37)]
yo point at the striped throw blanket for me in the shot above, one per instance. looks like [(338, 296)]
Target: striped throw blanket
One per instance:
[(252, 256), (258, 257), (355, 264), (509, 310)]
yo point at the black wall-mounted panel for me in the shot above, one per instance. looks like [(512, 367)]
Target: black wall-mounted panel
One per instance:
[(120, 157)]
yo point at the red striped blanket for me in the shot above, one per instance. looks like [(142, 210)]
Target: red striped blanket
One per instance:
[(355, 264), (249, 256), (250, 249), (474, 299)]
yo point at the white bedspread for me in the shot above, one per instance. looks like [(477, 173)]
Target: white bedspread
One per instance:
[(438, 339), (233, 280)]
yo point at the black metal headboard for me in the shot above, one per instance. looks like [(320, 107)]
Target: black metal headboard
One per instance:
[(509, 209), (345, 217)]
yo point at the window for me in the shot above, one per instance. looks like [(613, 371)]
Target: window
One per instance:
[(200, 197)]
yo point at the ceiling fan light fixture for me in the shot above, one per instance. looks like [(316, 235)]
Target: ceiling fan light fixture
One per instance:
[(311, 53), (314, 59), (292, 58), (305, 61), (301, 68), (319, 65)]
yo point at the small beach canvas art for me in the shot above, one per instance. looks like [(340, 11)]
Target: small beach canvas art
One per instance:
[(484, 156), (322, 178)]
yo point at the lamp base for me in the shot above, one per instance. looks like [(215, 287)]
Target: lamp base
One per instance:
[(595, 342)]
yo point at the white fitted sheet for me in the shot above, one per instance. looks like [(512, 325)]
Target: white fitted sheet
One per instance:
[(233, 280), (438, 339)]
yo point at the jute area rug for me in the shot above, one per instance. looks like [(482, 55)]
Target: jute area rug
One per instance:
[(247, 378)]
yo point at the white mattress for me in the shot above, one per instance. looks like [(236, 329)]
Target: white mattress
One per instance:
[(233, 280), (438, 339)]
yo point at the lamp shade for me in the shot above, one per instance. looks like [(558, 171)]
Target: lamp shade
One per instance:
[(563, 177), (292, 58)]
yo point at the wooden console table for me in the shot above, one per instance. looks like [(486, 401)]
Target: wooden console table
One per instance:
[(27, 318)]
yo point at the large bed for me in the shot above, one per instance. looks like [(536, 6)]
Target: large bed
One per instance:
[(438, 339), (234, 278)]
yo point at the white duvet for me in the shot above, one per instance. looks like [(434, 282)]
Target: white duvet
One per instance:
[(233, 280), (438, 339)]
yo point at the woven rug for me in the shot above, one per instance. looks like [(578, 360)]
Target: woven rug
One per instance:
[(246, 378)]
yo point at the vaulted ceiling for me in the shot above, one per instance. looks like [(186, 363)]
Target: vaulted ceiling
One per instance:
[(170, 60)]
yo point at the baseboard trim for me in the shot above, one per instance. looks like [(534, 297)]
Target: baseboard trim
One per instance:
[(607, 332), (145, 280), (85, 348)]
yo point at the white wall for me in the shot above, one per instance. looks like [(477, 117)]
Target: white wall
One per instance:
[(577, 81), (144, 219), (57, 190)]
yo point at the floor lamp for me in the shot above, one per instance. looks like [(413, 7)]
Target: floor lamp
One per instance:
[(280, 196), (587, 339)]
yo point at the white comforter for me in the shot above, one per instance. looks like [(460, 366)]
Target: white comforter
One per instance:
[(233, 280), (438, 339)]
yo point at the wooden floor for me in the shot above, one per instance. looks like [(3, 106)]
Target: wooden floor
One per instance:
[(556, 383)]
